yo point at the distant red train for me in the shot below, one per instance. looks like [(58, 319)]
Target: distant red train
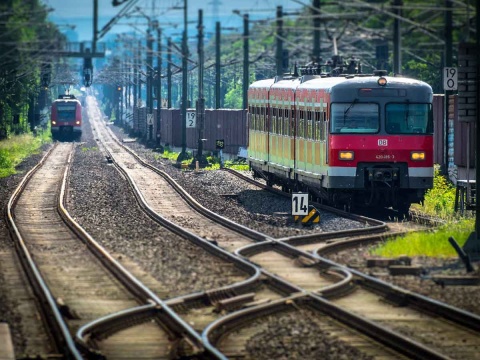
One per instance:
[(351, 140), (66, 117)]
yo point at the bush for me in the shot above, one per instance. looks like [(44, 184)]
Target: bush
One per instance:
[(440, 200), (17, 148)]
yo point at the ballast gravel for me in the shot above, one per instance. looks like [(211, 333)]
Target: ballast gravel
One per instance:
[(101, 200)]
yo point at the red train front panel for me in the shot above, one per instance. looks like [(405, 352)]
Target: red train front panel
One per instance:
[(66, 117)]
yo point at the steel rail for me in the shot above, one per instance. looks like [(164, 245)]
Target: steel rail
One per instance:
[(102, 326), (176, 324), (389, 338), (48, 304)]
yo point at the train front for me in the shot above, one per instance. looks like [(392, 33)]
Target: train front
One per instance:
[(381, 141), (66, 117)]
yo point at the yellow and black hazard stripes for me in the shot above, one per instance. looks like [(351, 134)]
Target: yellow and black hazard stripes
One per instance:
[(313, 217)]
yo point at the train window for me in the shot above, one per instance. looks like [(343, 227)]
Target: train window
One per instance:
[(324, 127), (273, 120), (66, 111), (257, 118), (301, 124), (309, 132), (263, 122), (317, 126), (261, 119), (354, 117), (407, 118), (286, 127), (280, 121)]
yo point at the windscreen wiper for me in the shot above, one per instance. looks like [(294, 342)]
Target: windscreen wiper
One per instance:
[(407, 113), (347, 110)]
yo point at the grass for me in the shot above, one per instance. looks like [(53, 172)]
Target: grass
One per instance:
[(17, 148), (214, 162), (439, 202), (93, 148), (434, 243)]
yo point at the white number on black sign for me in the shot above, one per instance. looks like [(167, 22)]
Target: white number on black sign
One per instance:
[(299, 204), (191, 119)]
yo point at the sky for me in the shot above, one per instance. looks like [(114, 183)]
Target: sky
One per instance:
[(80, 13)]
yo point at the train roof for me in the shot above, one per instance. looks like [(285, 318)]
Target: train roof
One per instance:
[(316, 82), (364, 81), (65, 101), (266, 83)]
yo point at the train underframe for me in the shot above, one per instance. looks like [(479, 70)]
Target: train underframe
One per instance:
[(374, 186), (66, 132)]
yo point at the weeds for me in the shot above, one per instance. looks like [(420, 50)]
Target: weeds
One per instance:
[(433, 243), (439, 202), (93, 148), (17, 148)]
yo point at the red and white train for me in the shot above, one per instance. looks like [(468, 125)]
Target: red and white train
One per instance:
[(66, 117), (347, 140)]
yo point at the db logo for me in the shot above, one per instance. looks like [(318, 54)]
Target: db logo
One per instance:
[(382, 142)]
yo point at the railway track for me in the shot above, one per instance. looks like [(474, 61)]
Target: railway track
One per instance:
[(278, 285), (76, 292)]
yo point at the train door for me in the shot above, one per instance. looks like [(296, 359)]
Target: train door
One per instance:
[(300, 133), (321, 129)]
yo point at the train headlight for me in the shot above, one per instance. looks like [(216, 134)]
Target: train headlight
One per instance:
[(78, 123), (54, 123), (382, 81), (417, 155), (346, 155)]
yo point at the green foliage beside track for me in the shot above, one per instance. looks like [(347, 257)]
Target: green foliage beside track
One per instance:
[(434, 243), (439, 202), (17, 148), (25, 38)]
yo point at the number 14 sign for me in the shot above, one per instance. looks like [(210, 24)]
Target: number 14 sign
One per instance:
[(299, 203)]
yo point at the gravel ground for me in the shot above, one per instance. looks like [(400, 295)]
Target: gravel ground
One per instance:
[(299, 336), (100, 199)]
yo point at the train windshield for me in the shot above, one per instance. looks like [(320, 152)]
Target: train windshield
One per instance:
[(66, 112), (406, 118), (354, 117)]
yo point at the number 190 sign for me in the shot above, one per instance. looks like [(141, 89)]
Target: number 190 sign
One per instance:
[(450, 78), (299, 203)]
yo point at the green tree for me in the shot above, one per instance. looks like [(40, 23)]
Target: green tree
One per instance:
[(26, 40)]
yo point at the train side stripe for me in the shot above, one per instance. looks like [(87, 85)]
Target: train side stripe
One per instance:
[(420, 171), (351, 171), (342, 171)]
